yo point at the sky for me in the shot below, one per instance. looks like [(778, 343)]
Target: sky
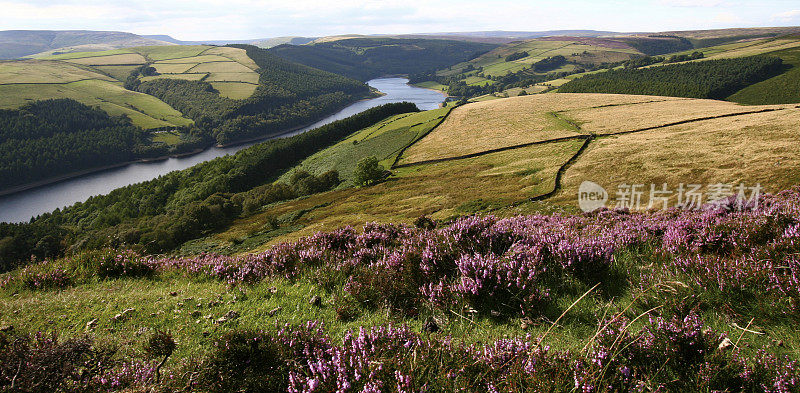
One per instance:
[(251, 19)]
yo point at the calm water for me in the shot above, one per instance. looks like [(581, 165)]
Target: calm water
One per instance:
[(22, 206)]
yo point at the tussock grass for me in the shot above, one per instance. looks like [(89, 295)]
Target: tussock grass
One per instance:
[(622, 118)]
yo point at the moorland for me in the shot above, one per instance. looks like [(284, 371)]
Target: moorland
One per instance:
[(440, 250)]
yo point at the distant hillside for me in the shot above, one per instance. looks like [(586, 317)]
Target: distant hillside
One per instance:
[(19, 43), (366, 58)]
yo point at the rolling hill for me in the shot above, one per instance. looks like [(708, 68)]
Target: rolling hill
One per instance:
[(20, 43), (185, 98), (364, 58)]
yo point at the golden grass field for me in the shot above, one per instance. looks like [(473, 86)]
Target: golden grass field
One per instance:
[(508, 122), (121, 59), (441, 190), (614, 119), (754, 148)]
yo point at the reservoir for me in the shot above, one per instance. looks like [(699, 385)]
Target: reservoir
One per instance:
[(21, 206)]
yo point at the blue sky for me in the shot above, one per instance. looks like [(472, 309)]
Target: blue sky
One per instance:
[(243, 19)]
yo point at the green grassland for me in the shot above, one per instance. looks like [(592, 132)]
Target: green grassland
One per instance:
[(494, 64), (782, 89), (145, 111), (384, 140), (95, 78)]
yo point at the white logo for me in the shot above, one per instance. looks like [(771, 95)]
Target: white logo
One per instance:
[(591, 196)]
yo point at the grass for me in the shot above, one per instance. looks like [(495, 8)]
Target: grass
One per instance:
[(441, 190), (782, 89), (121, 59), (190, 315), (223, 66), (754, 148), (663, 110), (167, 137), (494, 64), (383, 140), (431, 85), (482, 126), (117, 72), (79, 55), (156, 53), (39, 71), (244, 77), (194, 59), (145, 111), (189, 77), (169, 68)]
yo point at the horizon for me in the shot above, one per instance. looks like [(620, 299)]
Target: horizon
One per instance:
[(250, 19)]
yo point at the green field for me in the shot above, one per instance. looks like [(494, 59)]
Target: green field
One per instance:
[(782, 89), (95, 78), (384, 141), (144, 110), (494, 64)]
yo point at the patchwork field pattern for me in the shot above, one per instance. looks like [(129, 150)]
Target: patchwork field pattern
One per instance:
[(30, 80), (509, 122), (229, 70), (580, 50)]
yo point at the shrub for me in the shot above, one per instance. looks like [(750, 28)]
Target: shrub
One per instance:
[(42, 363), (368, 171), (245, 361)]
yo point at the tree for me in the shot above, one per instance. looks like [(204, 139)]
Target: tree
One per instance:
[(522, 93), (368, 171)]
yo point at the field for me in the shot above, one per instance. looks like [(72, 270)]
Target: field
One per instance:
[(753, 148), (44, 72), (782, 89), (578, 50), (95, 78), (39, 80), (502, 123), (384, 140), (441, 190), (229, 70), (521, 131)]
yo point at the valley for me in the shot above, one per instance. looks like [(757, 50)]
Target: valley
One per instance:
[(481, 211)]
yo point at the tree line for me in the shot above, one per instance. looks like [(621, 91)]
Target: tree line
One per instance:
[(716, 79)]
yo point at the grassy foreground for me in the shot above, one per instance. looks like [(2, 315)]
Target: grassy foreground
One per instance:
[(703, 300)]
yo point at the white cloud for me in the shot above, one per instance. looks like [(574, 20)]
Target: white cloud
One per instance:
[(788, 15)]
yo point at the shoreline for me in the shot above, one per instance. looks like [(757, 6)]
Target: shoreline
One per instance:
[(76, 174), (72, 175), (293, 129)]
